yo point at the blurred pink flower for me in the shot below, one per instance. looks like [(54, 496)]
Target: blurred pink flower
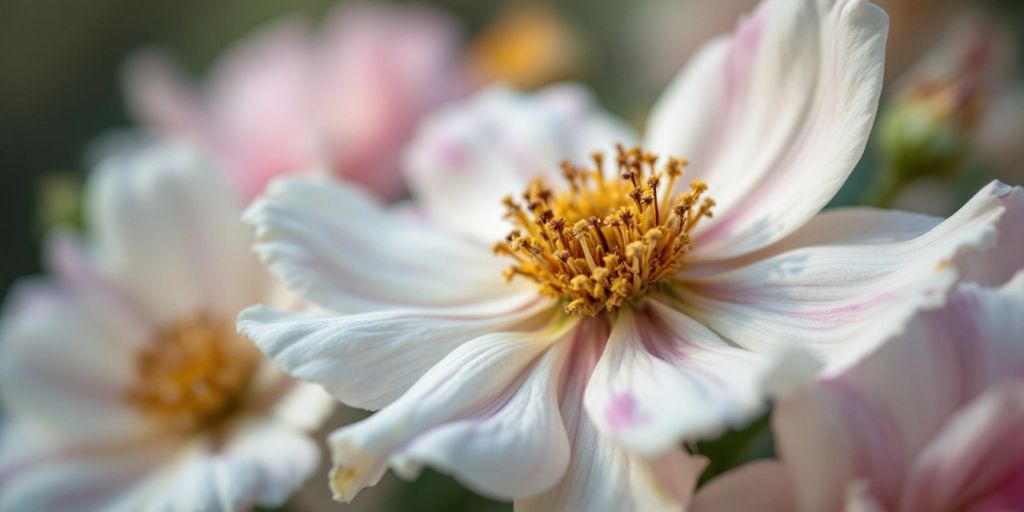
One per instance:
[(286, 100), (930, 422), (122, 381)]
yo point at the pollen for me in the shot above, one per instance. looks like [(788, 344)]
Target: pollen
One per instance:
[(192, 374), (603, 239)]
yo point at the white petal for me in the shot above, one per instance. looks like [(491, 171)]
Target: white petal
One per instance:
[(995, 267), (84, 477), (775, 117), (336, 247), (663, 378), (465, 385), (467, 157), (304, 407), (167, 229), (603, 476), (873, 421), (368, 360), (515, 447), (847, 293), (65, 364), (262, 463)]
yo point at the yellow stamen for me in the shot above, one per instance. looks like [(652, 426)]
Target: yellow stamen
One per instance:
[(193, 373), (601, 242)]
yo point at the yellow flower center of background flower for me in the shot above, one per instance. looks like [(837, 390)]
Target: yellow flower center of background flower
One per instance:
[(193, 374), (604, 240)]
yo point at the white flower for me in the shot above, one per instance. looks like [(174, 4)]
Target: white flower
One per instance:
[(632, 321), (123, 383)]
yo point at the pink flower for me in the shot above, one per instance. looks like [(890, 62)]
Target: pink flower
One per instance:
[(286, 100), (930, 422)]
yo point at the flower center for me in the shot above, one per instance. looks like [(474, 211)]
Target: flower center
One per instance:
[(604, 241), (193, 374)]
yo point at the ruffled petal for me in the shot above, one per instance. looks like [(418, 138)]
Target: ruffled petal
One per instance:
[(995, 267), (664, 378), (467, 157), (847, 292), (775, 116), (471, 385), (368, 360), (602, 476), (873, 421), (167, 230), (336, 247)]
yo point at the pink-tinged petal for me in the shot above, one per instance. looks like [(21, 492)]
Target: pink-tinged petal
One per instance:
[(383, 67), (828, 439), (338, 248), (664, 378), (262, 112), (468, 156), (775, 116), (167, 230), (471, 384), (874, 420), (602, 476), (161, 98), (759, 485), (995, 267), (368, 360), (848, 292), (977, 461)]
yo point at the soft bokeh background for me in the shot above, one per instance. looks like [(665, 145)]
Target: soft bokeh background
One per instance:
[(60, 89)]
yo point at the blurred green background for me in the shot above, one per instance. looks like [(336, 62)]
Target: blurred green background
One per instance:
[(60, 89)]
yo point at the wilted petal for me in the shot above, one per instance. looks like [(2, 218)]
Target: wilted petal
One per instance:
[(467, 157), (775, 117), (336, 247)]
